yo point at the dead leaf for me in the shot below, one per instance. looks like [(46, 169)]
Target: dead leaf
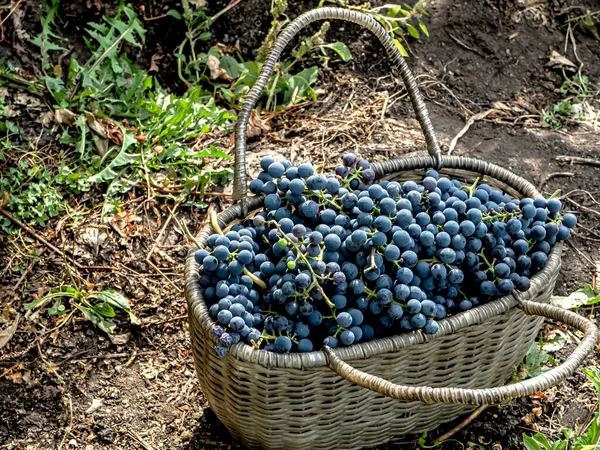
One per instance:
[(198, 3), (95, 125), (528, 419), (96, 404), (558, 60), (5, 335), (119, 339), (154, 60), (537, 411), (537, 396), (216, 71), (65, 116)]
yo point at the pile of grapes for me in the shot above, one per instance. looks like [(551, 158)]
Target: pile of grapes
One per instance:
[(335, 260)]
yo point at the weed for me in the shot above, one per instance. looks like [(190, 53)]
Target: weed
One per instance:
[(400, 21), (586, 439), (120, 128), (97, 307), (46, 40), (585, 296), (579, 94)]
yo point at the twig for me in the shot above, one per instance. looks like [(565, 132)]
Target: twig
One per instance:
[(55, 249), (583, 255), (70, 427), (188, 234), (137, 438), (578, 160), (554, 175), (471, 121), (470, 418), (162, 231), (155, 267), (462, 44), (11, 12), (585, 208)]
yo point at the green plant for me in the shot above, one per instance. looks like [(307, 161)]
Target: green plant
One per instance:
[(400, 21), (587, 22), (46, 39), (587, 439), (579, 93), (120, 129), (585, 296), (97, 307), (534, 364)]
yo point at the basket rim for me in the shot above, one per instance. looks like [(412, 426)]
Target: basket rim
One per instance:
[(198, 311)]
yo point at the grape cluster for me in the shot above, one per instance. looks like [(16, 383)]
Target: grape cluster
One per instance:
[(338, 259)]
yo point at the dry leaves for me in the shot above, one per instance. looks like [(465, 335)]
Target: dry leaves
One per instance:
[(5, 335)]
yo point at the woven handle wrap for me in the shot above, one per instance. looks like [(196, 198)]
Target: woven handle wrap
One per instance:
[(487, 396), (239, 185)]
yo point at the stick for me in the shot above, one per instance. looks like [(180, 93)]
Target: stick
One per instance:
[(48, 244), (470, 418), (471, 121), (70, 427), (553, 175), (578, 160)]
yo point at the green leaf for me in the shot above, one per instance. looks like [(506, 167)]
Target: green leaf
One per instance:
[(104, 309), (424, 29), (115, 299), (341, 49), (175, 14), (400, 48), (582, 297), (211, 152), (412, 31), (122, 159), (118, 300), (36, 303), (554, 345), (531, 444)]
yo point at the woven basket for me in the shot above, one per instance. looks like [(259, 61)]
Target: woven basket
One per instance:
[(366, 394)]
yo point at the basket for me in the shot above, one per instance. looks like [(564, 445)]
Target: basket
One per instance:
[(368, 393)]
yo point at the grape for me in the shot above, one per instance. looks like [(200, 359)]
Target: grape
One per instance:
[(272, 202), (305, 345), (283, 344), (569, 220)]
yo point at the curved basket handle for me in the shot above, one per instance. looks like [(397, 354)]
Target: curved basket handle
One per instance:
[(239, 185), (486, 396)]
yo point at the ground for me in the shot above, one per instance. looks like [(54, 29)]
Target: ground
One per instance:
[(70, 385)]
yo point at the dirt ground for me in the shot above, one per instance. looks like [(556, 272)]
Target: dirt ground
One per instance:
[(75, 387)]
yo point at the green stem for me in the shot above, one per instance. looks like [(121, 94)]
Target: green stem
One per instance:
[(314, 275)]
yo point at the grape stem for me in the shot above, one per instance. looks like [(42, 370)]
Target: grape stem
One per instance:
[(373, 266), (312, 272), (215, 224), (471, 188)]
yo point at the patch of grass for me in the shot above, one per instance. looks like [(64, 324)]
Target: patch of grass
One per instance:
[(119, 129)]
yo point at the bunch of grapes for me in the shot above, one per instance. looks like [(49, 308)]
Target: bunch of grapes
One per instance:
[(338, 259)]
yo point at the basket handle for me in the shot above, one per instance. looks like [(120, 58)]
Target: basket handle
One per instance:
[(487, 396), (239, 185)]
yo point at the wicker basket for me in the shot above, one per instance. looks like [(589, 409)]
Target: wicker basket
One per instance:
[(397, 385)]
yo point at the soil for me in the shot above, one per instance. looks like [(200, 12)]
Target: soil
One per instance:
[(77, 388)]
